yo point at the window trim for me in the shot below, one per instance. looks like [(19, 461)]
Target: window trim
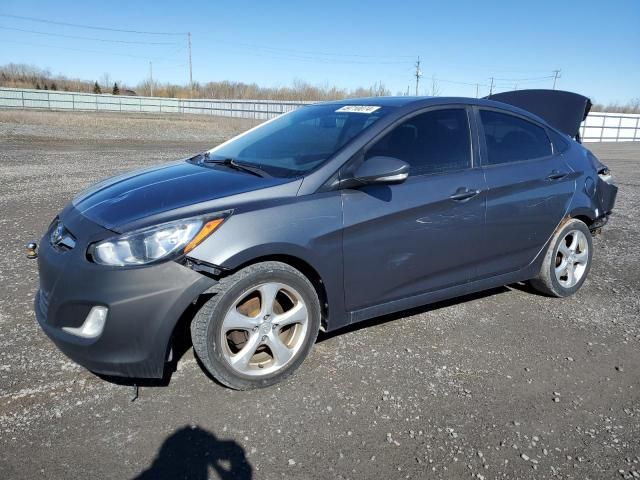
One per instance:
[(483, 141), (360, 155), (562, 139)]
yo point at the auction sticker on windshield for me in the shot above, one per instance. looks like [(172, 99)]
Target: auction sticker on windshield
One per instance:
[(358, 109)]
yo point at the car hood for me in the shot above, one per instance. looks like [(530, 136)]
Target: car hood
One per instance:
[(124, 199)]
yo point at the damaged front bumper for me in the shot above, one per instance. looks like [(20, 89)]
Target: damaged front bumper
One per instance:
[(142, 306)]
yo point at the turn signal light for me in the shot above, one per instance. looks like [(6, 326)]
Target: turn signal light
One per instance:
[(204, 232)]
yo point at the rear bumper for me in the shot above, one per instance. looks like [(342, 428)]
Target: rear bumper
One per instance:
[(144, 305), (606, 193)]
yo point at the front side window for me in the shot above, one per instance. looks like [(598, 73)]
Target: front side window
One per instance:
[(437, 141), (297, 142), (512, 139)]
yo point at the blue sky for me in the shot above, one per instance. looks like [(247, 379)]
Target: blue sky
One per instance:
[(344, 43)]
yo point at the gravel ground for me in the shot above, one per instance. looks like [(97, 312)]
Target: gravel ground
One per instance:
[(503, 384)]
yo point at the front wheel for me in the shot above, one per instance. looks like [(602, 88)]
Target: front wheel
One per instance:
[(567, 261), (258, 327)]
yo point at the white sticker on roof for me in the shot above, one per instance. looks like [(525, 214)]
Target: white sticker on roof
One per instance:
[(358, 109)]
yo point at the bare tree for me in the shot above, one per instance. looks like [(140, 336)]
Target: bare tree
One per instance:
[(105, 81), (435, 87)]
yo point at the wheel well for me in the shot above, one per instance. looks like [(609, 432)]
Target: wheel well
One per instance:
[(180, 337), (307, 270), (584, 218)]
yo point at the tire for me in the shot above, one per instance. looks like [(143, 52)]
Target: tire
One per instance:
[(236, 322), (567, 261)]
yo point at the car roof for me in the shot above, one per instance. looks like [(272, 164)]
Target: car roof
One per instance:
[(422, 102)]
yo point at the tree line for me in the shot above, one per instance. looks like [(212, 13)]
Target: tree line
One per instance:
[(28, 76), (20, 75)]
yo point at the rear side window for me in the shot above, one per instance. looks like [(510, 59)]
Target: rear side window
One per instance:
[(432, 142), (512, 139), (560, 142)]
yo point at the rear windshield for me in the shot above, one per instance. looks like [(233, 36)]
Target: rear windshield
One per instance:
[(298, 142)]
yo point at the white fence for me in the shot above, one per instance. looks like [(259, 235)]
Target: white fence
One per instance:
[(611, 127), (58, 100), (598, 127)]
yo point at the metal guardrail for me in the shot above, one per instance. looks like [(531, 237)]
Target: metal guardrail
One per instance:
[(598, 127), (611, 127), (58, 100)]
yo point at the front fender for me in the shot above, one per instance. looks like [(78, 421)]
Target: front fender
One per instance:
[(308, 229)]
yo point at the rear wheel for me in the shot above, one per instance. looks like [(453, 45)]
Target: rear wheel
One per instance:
[(258, 327), (567, 261)]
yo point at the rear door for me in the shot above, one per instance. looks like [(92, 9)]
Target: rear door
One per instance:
[(529, 189), (421, 235)]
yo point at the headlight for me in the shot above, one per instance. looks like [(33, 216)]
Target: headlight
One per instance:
[(154, 243)]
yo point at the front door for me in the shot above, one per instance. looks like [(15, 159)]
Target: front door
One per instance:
[(422, 235)]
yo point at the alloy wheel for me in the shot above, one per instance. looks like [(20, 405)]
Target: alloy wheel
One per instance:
[(572, 258), (264, 329)]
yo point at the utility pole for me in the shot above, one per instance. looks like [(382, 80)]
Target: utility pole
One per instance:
[(491, 87), (190, 67), (151, 77), (556, 76), (477, 90), (418, 75)]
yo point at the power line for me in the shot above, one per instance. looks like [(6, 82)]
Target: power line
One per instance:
[(320, 60), (164, 58), (90, 27), (248, 45), (94, 27), (43, 45), (129, 42), (304, 52), (532, 79), (517, 81), (471, 84)]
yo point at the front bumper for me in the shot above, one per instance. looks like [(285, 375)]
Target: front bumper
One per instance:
[(144, 304)]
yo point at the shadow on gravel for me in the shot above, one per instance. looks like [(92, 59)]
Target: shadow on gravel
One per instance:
[(191, 453)]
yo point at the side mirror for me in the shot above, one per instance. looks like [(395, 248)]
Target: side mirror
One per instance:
[(381, 170)]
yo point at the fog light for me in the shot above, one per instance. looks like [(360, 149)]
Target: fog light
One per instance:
[(93, 324)]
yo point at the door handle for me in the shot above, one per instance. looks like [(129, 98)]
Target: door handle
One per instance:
[(556, 175), (463, 194)]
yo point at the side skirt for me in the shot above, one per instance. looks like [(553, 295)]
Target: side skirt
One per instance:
[(445, 294)]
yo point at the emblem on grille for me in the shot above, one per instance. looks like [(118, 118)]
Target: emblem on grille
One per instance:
[(60, 237)]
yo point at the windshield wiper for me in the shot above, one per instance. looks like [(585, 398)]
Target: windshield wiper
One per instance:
[(232, 163)]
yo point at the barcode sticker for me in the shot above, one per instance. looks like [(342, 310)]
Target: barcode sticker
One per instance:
[(358, 109)]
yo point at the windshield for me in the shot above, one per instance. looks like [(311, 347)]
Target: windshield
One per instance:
[(296, 143)]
